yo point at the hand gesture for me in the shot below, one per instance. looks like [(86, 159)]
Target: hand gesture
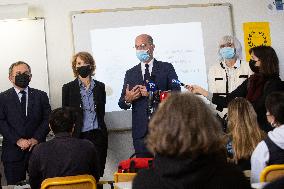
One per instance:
[(198, 90), (133, 94), (33, 142), (143, 90)]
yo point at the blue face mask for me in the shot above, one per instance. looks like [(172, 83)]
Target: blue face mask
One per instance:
[(142, 55), (227, 52)]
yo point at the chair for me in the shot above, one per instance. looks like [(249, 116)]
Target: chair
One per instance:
[(124, 177), (271, 173), (70, 182)]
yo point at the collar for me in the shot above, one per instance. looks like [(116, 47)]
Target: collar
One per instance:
[(150, 64), (235, 66), (92, 85), (18, 91)]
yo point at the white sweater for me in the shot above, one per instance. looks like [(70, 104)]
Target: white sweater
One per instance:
[(260, 155)]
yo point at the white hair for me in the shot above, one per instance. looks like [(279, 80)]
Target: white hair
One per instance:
[(230, 39)]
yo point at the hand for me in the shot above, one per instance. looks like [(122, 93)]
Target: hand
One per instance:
[(133, 94), (143, 90), (199, 90), (23, 143), (33, 142)]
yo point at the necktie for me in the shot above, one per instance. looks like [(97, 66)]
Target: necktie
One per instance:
[(147, 73), (23, 102)]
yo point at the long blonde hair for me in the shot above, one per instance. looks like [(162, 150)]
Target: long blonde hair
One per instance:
[(243, 128)]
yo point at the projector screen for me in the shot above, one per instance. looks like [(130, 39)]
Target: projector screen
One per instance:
[(186, 36), (180, 44)]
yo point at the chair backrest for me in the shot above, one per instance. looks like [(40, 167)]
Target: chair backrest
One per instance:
[(124, 177), (70, 182), (272, 172)]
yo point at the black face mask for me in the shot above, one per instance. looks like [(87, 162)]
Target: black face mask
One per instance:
[(253, 67), (22, 80), (84, 71)]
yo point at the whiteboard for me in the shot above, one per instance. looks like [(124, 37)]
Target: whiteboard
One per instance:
[(112, 61), (214, 20), (24, 40)]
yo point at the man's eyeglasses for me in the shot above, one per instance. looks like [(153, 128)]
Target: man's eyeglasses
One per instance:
[(141, 47)]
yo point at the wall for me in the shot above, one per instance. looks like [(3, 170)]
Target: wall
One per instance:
[(60, 49)]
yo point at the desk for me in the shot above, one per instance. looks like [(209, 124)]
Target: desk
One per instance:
[(123, 185)]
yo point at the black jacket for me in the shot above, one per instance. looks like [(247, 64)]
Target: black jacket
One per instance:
[(71, 97), (181, 173), (15, 125), (272, 84), (62, 156)]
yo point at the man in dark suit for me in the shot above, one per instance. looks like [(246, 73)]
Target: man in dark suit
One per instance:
[(64, 155), (134, 92), (24, 115), (88, 97)]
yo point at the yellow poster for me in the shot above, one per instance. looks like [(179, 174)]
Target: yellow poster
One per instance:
[(256, 34)]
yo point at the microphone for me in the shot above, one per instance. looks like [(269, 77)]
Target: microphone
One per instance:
[(151, 88), (176, 81)]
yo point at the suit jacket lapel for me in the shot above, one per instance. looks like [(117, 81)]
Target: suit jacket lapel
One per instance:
[(15, 99), (155, 68), (31, 99), (138, 74), (77, 94)]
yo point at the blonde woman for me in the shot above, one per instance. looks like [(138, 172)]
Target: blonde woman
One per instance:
[(244, 132)]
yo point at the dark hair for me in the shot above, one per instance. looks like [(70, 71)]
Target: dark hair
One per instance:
[(62, 120), (269, 61), (17, 64), (274, 103), (185, 126), (87, 58)]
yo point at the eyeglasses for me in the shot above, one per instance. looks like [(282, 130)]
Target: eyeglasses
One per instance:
[(141, 47)]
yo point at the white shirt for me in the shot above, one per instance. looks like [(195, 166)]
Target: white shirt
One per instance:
[(20, 96), (219, 75), (260, 155), (150, 67)]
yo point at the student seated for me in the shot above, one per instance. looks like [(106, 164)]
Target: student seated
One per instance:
[(271, 150), (189, 149), (64, 155), (244, 132)]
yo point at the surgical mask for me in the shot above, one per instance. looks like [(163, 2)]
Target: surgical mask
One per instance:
[(22, 80), (253, 67), (227, 52), (142, 55), (84, 71)]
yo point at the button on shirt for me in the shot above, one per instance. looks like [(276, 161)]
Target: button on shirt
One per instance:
[(20, 96), (89, 111), (231, 72)]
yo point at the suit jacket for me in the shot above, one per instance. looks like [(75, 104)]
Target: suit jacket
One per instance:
[(15, 125), (59, 157), (164, 73), (71, 97)]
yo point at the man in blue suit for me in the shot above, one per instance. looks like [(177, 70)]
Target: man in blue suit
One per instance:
[(24, 113), (134, 92)]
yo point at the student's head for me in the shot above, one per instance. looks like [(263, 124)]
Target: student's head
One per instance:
[(243, 128), (229, 48), (20, 74), (62, 120), (83, 64), (265, 59), (184, 126), (144, 47), (274, 104)]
